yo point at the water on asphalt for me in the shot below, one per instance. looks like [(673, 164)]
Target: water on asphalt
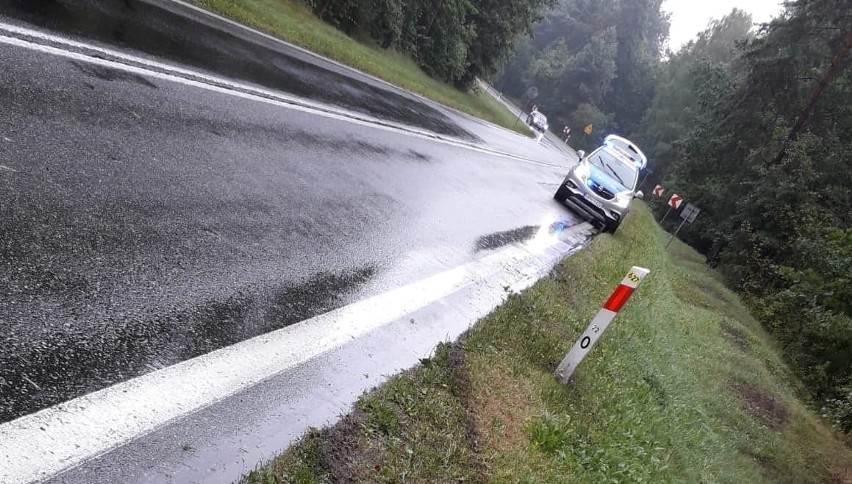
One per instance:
[(192, 39), (145, 221)]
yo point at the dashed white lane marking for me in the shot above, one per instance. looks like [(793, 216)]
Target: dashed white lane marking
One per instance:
[(59, 46), (38, 446)]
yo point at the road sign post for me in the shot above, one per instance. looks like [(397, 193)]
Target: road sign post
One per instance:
[(688, 214), (674, 203), (600, 323)]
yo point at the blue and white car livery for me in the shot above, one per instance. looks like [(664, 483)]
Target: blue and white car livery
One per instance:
[(601, 186)]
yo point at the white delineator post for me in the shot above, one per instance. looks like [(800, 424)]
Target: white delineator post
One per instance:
[(600, 323)]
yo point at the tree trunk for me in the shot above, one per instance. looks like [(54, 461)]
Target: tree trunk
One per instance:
[(823, 81)]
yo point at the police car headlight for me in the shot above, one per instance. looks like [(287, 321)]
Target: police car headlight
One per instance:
[(623, 200), (582, 171)]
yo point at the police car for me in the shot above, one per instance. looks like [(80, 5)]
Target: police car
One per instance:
[(602, 185)]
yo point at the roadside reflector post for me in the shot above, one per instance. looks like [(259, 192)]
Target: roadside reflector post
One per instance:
[(600, 323)]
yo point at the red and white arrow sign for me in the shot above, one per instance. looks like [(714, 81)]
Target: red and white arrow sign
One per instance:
[(675, 201), (658, 191)]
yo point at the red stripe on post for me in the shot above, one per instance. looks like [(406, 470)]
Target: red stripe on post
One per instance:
[(619, 297)]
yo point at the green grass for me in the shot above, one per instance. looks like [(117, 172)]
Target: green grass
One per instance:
[(684, 387), (294, 22)]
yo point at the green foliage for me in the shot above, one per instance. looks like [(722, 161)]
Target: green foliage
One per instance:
[(381, 418), (838, 409), (453, 40), (603, 54), (303, 464), (549, 434), (442, 51), (675, 106), (586, 114), (777, 228), (295, 22), (641, 30)]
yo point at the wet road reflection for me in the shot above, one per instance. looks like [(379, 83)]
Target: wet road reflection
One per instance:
[(145, 222), (152, 27), (539, 234), (81, 359), (506, 237)]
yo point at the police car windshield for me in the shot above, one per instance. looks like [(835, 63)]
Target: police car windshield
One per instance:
[(616, 168)]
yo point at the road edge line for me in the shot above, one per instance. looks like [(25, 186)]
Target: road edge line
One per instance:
[(56, 439), (226, 86)]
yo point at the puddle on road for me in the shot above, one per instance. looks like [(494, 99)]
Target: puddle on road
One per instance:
[(521, 234), (359, 146), (109, 74), (560, 226), (500, 239), (80, 360), (319, 295), (418, 156), (351, 145)]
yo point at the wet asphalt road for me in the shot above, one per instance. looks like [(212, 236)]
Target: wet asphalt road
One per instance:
[(165, 30), (145, 221)]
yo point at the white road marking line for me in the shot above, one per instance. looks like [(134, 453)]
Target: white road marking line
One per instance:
[(4, 167), (301, 49), (142, 66), (38, 446), (354, 70)]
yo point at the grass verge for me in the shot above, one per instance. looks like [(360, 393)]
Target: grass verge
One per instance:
[(684, 387), (294, 22)]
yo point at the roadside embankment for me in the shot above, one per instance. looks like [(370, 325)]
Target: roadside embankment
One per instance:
[(685, 387)]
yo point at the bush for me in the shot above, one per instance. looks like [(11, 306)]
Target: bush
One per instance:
[(437, 34), (838, 409)]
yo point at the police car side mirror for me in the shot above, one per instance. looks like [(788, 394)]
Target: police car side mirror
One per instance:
[(581, 153), (638, 194)]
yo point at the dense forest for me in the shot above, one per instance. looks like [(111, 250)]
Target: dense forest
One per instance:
[(593, 62), (456, 41), (751, 123), (755, 128)]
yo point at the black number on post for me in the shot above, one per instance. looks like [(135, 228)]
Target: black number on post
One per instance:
[(585, 342)]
